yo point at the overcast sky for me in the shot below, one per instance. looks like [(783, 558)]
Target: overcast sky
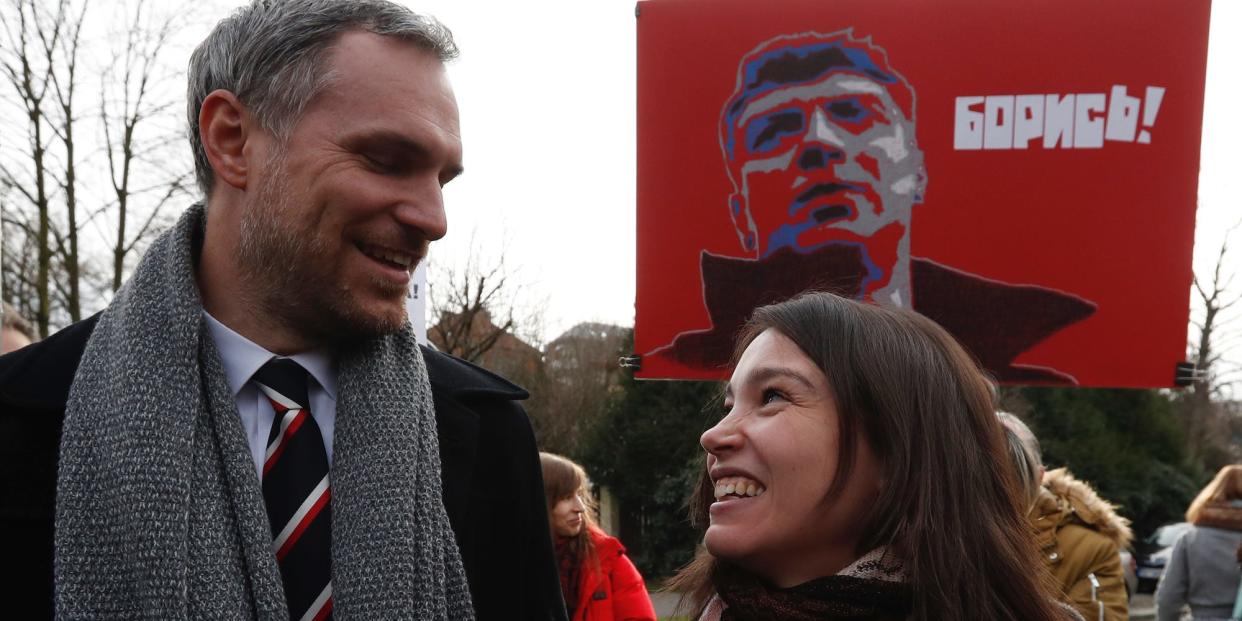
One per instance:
[(546, 91)]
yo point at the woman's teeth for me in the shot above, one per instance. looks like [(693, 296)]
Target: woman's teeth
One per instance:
[(738, 486)]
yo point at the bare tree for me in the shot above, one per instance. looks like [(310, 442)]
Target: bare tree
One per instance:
[(129, 102), (475, 305), (65, 86), (30, 60), (1206, 408), (463, 323), (50, 52), (18, 256), (582, 372)]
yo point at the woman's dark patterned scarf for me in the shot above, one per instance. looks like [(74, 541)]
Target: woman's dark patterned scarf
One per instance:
[(873, 588), (570, 566)]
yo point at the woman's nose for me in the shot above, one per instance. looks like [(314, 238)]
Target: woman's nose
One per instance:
[(722, 437)]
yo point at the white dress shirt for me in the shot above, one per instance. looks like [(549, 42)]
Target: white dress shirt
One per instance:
[(242, 358)]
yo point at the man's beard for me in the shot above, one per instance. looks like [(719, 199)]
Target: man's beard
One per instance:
[(282, 271)]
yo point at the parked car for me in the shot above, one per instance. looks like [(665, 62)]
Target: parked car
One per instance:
[(1153, 554), (1128, 573)]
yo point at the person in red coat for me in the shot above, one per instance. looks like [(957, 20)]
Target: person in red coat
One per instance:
[(599, 581)]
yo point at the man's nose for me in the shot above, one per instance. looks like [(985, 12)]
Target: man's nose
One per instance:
[(821, 145), (422, 208)]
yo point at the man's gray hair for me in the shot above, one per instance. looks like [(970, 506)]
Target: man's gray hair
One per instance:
[(1024, 454), (1025, 434), (270, 55)]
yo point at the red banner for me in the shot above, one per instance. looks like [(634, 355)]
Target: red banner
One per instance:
[(1025, 174)]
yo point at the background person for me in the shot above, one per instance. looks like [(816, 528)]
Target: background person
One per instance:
[(598, 580), (1203, 569), (1080, 534), (15, 331), (859, 472)]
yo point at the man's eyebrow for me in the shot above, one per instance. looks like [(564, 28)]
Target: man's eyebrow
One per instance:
[(806, 92), (391, 139)]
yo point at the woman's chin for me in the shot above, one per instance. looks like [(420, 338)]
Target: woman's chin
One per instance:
[(725, 543)]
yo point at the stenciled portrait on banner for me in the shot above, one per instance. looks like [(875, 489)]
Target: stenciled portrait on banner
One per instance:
[(819, 141)]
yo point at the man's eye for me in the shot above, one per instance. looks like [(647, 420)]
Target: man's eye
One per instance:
[(845, 110), (850, 112), (765, 133), (382, 162)]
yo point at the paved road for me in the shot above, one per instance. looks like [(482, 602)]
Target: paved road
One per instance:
[(664, 603), (1142, 607)]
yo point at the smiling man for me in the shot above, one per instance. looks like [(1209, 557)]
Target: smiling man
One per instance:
[(819, 144), (250, 430)]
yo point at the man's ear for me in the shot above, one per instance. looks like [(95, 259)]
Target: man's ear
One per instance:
[(224, 126), (740, 215)]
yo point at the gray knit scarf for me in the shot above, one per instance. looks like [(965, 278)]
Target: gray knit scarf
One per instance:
[(159, 512)]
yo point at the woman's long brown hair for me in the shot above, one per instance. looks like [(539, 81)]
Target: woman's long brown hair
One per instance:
[(563, 478), (951, 505)]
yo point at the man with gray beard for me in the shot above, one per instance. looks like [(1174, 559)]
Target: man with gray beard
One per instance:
[(249, 430)]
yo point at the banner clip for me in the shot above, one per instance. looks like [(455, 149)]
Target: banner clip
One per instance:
[(1186, 374)]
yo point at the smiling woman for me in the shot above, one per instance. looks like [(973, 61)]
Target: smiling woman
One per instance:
[(859, 472)]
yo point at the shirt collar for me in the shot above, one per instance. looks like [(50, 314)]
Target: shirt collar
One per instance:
[(242, 357)]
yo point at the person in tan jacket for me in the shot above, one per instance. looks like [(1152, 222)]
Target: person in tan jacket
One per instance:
[(1080, 535)]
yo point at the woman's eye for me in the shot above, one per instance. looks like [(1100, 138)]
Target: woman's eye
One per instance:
[(771, 395)]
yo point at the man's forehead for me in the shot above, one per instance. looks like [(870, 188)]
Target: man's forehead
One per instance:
[(386, 79), (785, 61), (834, 85)]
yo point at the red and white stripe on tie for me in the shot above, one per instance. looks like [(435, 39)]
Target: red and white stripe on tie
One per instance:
[(297, 492), (302, 518), (321, 608), (291, 415)]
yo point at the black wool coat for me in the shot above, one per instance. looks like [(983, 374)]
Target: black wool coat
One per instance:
[(493, 490)]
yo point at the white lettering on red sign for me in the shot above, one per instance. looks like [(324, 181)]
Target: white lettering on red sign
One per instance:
[(1066, 121)]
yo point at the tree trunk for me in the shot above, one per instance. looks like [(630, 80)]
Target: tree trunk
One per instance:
[(43, 313)]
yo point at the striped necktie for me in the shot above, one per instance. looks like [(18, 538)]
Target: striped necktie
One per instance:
[(296, 492)]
